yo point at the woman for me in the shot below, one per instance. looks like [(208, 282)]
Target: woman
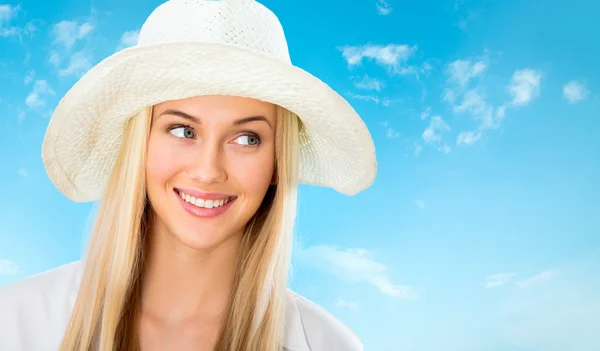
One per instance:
[(194, 142)]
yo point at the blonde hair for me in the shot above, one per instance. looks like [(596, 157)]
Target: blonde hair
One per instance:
[(103, 317)]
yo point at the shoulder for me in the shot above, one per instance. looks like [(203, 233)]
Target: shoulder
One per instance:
[(40, 303), (322, 329)]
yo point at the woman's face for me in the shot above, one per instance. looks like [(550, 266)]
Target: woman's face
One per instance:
[(210, 162)]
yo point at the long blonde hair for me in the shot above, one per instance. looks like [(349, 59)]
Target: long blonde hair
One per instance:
[(103, 317)]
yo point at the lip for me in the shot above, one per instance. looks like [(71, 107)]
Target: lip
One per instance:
[(200, 212), (207, 196)]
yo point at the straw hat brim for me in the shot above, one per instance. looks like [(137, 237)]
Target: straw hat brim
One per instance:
[(85, 132)]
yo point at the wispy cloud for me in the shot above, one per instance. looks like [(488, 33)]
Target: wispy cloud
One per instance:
[(426, 113), (392, 56), (418, 149), (474, 102), (7, 13), (420, 203), (575, 91), (465, 95), (368, 83), (468, 138), (8, 267), (376, 99), (433, 133), (36, 99), (23, 172), (524, 86), (20, 115), (354, 265), (496, 280), (462, 71), (383, 8), (341, 303), (536, 279), (390, 132), (66, 36), (30, 77), (67, 33), (128, 39), (79, 64)]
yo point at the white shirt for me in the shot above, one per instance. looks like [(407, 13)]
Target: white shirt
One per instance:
[(34, 313)]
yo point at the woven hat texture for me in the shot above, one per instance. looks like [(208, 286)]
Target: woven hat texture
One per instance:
[(193, 48)]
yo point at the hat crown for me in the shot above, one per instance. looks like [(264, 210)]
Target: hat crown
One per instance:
[(242, 23)]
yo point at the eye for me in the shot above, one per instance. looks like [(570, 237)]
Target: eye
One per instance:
[(183, 132), (248, 139)]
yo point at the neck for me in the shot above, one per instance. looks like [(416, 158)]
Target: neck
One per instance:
[(180, 283)]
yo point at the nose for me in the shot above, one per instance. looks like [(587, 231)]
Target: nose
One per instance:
[(207, 164)]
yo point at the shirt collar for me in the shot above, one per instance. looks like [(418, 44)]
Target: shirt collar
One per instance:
[(295, 336)]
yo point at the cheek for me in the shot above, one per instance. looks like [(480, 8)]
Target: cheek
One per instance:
[(160, 164), (253, 174)]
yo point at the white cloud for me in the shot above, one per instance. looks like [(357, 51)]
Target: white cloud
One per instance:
[(426, 113), (574, 92), (556, 311), (420, 203), (383, 101), (391, 56), (496, 280), (464, 96), (462, 71), (35, 99), (8, 267), (537, 279), (30, 77), (389, 131), (354, 265), (353, 305), (54, 58), (7, 13), (67, 33), (383, 8), (468, 138), (445, 149), (23, 173), (524, 86), (79, 64), (418, 149), (128, 39), (475, 103), (368, 83), (432, 134), (20, 115), (500, 111)]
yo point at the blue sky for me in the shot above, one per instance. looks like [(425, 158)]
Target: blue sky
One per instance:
[(481, 231)]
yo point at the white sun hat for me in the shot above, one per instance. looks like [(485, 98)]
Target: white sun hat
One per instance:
[(195, 48)]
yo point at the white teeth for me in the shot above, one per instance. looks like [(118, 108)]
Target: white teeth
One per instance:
[(199, 202), (203, 203)]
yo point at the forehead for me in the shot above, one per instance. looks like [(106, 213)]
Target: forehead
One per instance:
[(222, 106)]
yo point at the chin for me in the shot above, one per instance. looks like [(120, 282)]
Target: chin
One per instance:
[(197, 238)]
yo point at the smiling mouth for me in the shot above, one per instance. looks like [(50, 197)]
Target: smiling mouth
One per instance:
[(205, 203)]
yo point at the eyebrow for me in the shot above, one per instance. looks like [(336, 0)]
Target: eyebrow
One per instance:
[(197, 120)]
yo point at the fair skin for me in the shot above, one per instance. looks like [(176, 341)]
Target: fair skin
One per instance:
[(217, 145)]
